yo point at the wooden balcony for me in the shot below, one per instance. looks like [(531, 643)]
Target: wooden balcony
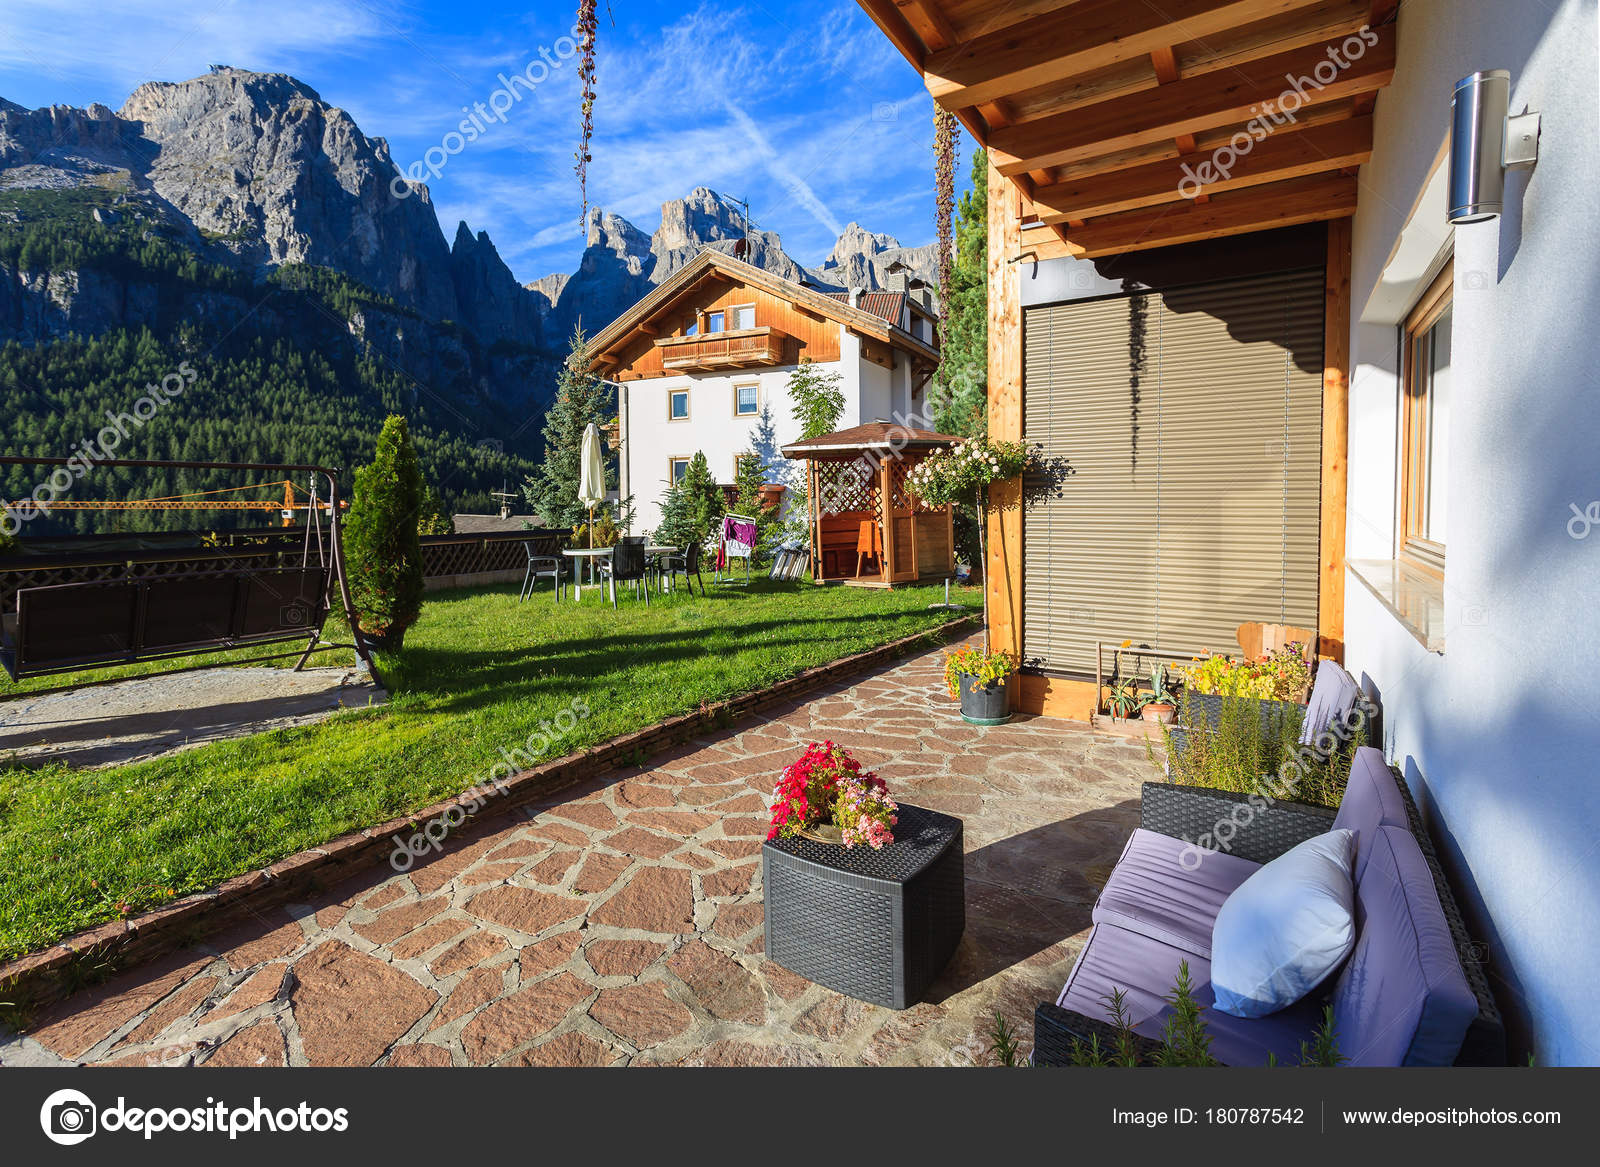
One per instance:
[(739, 349)]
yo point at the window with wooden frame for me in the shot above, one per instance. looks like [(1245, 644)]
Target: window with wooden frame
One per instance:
[(676, 469), (714, 321), (1425, 406), (693, 327), (742, 316), (746, 400), (677, 405)]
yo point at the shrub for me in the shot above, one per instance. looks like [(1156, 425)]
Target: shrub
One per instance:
[(703, 501), (1254, 748), (432, 519), (382, 552)]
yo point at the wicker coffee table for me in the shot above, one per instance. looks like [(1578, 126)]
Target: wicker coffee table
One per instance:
[(875, 925)]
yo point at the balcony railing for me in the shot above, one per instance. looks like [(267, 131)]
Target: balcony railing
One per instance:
[(738, 349)]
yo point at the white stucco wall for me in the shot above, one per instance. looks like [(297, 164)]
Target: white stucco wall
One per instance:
[(1499, 735)]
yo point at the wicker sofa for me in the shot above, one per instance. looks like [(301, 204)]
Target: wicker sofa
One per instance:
[(1411, 993)]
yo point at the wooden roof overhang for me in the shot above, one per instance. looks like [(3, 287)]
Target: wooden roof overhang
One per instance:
[(715, 266), (1109, 115), (874, 439)]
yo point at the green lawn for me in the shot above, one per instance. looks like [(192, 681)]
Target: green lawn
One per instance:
[(478, 673)]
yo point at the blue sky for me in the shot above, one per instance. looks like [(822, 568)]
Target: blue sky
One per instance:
[(803, 108)]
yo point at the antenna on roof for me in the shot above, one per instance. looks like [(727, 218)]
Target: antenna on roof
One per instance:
[(743, 250)]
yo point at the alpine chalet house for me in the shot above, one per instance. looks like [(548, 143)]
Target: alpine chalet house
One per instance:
[(1306, 291), (706, 354)]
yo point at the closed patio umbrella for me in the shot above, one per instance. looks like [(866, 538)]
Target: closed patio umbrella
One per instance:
[(592, 474)]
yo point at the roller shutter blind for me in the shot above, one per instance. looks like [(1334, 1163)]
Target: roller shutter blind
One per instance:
[(1192, 419)]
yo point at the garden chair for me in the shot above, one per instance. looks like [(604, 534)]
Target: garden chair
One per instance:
[(541, 567), (627, 564), (685, 564), (869, 545)]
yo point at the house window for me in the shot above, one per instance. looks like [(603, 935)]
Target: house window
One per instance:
[(678, 405), (743, 316), (693, 327), (1425, 402), (713, 321), (744, 401), (740, 461), (676, 469)]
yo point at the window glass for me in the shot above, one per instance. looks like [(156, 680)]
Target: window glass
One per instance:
[(745, 317), (714, 322), (745, 399), (678, 404), (680, 467)]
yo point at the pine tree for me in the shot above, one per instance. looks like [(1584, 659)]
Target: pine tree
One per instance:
[(752, 476), (958, 396), (581, 398), (382, 552), (704, 502)]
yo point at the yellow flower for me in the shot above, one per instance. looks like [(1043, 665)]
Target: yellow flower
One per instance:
[(1126, 643)]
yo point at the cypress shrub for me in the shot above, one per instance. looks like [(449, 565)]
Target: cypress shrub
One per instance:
[(382, 551)]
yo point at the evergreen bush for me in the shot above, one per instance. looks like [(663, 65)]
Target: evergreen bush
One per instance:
[(382, 551)]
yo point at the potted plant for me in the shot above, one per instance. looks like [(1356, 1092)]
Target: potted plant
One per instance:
[(825, 796), (382, 551), (978, 678), (1122, 700), (1159, 705), (944, 478)]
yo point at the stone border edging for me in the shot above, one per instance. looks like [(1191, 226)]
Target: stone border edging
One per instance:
[(35, 980)]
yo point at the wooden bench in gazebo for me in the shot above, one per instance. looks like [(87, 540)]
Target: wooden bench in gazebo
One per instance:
[(866, 528)]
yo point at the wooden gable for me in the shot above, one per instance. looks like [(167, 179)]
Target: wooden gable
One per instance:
[(801, 332)]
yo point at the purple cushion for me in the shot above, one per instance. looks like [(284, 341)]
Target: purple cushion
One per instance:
[(1402, 999), (1115, 958), (1333, 696), (1167, 890), (1371, 800)]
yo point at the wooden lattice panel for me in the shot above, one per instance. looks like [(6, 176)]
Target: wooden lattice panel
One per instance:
[(847, 487)]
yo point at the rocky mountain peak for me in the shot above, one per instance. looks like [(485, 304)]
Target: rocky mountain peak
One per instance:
[(857, 240)]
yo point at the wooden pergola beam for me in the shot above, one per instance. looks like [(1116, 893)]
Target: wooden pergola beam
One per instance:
[(1190, 106), (1090, 34), (1281, 204), (1284, 155)]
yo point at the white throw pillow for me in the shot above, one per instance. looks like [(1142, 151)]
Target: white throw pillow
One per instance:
[(1284, 929)]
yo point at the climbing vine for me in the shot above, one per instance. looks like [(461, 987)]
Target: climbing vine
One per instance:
[(944, 172), (588, 25)]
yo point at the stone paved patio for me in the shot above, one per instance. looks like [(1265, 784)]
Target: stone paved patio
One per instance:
[(620, 923)]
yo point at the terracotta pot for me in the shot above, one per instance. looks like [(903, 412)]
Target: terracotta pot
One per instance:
[(1163, 713)]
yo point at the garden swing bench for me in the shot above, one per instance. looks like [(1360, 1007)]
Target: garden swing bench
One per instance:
[(125, 617)]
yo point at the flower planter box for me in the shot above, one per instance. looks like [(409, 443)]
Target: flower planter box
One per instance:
[(1207, 709), (878, 926)]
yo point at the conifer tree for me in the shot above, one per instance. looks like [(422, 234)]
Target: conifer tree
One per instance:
[(581, 398), (382, 552), (958, 396)]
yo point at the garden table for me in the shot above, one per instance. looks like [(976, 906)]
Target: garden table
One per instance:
[(590, 555)]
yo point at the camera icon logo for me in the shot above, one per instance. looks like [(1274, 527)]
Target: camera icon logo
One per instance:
[(294, 615), (1475, 281), (68, 1117)]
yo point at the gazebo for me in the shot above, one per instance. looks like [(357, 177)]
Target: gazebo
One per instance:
[(866, 528)]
